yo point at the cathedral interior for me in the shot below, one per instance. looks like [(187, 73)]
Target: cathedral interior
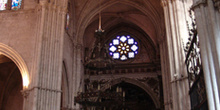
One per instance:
[(109, 54)]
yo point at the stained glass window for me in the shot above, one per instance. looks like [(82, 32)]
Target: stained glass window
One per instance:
[(16, 4), (3, 4), (123, 48), (67, 21)]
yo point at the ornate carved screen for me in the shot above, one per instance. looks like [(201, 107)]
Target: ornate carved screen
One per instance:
[(195, 72)]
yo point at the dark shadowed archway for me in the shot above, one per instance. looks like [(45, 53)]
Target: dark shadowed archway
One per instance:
[(135, 85), (135, 98), (11, 85)]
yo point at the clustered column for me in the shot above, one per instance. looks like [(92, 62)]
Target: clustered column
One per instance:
[(78, 73), (207, 16), (165, 76), (46, 89), (173, 66)]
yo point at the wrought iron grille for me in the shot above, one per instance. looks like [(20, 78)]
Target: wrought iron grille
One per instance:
[(194, 68)]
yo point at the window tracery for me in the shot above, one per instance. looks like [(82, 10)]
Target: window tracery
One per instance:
[(16, 4), (123, 48)]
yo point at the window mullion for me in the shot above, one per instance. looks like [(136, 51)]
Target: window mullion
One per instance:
[(8, 7), (22, 4)]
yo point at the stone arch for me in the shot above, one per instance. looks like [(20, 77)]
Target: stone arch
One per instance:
[(18, 60), (84, 21), (11, 85), (146, 88)]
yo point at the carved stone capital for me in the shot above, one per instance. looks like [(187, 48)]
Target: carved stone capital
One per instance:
[(164, 3), (43, 3), (198, 3)]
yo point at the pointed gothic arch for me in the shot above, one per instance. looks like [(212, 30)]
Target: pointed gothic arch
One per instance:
[(85, 20), (18, 60), (146, 88)]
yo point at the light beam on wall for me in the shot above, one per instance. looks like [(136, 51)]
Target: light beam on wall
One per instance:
[(25, 80)]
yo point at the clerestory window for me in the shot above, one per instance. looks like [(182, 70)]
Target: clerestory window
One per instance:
[(10, 4), (123, 48)]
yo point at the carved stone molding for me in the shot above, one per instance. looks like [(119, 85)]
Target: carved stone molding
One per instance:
[(15, 57), (26, 92), (217, 4), (198, 3), (164, 3)]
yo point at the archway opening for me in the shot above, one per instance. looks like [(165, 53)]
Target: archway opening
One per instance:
[(135, 98), (122, 96), (11, 85), (118, 19)]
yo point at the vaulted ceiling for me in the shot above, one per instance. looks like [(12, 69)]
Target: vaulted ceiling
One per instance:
[(144, 16)]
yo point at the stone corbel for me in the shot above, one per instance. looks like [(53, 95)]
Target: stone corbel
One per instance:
[(198, 3), (217, 4)]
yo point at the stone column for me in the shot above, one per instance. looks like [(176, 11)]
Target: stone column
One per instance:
[(165, 75), (44, 92), (73, 85), (207, 16), (78, 72), (176, 29)]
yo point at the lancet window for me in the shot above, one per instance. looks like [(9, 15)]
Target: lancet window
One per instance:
[(67, 21)]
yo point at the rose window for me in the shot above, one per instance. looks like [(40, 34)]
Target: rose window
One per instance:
[(123, 48)]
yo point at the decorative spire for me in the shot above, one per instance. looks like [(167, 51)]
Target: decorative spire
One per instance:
[(100, 21)]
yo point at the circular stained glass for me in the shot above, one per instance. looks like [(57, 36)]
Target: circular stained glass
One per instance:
[(123, 48)]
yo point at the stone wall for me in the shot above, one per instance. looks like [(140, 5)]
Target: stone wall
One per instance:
[(18, 30)]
